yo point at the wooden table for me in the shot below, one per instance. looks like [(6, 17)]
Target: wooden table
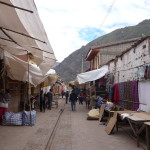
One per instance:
[(123, 112), (119, 112), (147, 134), (136, 121), (113, 123)]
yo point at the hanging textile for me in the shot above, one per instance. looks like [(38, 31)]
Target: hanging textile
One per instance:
[(109, 78), (116, 94), (125, 94), (148, 72), (134, 93), (140, 73), (144, 95), (126, 97), (129, 97), (121, 94), (112, 92)]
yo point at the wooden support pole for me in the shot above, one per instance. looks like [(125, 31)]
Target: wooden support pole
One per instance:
[(12, 40), (42, 50), (6, 39), (22, 34), (8, 36), (4, 77), (29, 89), (132, 127)]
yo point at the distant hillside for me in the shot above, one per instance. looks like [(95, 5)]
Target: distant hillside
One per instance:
[(56, 64), (71, 66)]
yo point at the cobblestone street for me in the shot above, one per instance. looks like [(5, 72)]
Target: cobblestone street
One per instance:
[(73, 132)]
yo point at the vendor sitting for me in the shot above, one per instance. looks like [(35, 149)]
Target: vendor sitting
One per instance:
[(99, 102)]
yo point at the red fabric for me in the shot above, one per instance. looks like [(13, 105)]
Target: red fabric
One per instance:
[(2, 112), (102, 81), (116, 94), (5, 110)]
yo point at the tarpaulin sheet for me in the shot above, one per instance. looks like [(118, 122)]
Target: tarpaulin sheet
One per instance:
[(16, 23), (20, 70), (92, 75)]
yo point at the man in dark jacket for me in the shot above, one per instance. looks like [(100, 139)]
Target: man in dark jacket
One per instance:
[(50, 98), (42, 101), (73, 99), (67, 95)]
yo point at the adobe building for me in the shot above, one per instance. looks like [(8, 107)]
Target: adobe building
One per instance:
[(99, 55)]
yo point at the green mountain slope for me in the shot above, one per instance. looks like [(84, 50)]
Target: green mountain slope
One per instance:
[(71, 66)]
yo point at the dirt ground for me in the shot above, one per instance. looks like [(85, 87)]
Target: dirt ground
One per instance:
[(73, 132)]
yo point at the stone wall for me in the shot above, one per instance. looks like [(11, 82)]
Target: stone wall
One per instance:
[(108, 53), (125, 67)]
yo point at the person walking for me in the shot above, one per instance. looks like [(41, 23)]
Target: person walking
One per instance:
[(87, 101), (67, 95), (93, 100), (42, 101), (62, 93), (80, 99), (50, 99), (73, 99)]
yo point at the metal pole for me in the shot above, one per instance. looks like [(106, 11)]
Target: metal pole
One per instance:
[(25, 94)]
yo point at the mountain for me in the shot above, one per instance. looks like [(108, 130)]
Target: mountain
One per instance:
[(71, 66), (56, 63)]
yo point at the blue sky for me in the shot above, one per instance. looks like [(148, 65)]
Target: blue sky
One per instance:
[(72, 23), (89, 33)]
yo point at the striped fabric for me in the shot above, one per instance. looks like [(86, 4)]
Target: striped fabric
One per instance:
[(134, 93), (121, 94), (12, 119), (29, 118)]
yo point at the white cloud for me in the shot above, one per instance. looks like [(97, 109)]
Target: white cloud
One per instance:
[(64, 19)]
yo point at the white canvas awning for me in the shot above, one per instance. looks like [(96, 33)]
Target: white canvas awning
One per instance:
[(92, 75), (21, 30), (20, 70)]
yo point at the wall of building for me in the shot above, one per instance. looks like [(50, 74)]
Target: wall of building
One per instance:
[(125, 67), (108, 53)]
